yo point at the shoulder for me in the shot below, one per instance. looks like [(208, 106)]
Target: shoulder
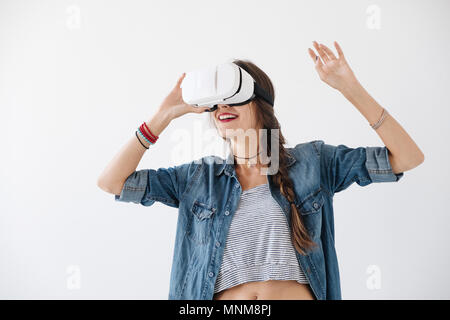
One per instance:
[(308, 148), (189, 169)]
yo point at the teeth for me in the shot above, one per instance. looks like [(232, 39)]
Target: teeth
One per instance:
[(227, 116)]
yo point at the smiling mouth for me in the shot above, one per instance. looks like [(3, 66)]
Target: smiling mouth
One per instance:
[(227, 117)]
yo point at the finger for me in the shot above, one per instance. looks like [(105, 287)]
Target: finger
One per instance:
[(180, 79), (319, 69), (209, 109), (328, 51), (198, 109), (321, 52), (315, 57), (193, 108), (205, 109), (317, 61), (312, 54), (339, 50)]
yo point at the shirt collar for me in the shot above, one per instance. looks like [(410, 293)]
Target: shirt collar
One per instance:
[(228, 164)]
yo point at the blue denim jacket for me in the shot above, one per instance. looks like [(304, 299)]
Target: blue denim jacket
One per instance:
[(207, 192)]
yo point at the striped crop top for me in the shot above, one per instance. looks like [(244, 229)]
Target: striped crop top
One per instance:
[(258, 245)]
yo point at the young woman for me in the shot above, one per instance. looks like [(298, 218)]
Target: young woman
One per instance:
[(247, 232)]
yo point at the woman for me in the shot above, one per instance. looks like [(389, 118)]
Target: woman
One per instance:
[(247, 232)]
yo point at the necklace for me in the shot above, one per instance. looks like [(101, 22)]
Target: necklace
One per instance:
[(248, 163)]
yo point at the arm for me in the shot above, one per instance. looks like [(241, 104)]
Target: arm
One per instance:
[(403, 152), (125, 162)]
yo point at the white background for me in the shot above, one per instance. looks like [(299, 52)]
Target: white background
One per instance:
[(78, 77)]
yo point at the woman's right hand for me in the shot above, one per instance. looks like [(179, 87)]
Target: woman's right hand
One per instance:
[(174, 105)]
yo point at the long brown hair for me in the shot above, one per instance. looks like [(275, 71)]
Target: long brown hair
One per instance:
[(266, 119)]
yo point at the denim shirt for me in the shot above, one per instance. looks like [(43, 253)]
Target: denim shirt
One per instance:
[(207, 192)]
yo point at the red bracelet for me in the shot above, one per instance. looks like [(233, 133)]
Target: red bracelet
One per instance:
[(151, 139), (147, 129), (150, 133), (144, 132)]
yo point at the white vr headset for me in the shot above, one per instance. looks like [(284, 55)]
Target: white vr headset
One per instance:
[(225, 83)]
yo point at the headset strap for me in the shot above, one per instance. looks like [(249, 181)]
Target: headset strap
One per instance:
[(262, 93)]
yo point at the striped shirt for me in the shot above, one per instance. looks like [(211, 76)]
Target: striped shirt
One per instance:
[(258, 245)]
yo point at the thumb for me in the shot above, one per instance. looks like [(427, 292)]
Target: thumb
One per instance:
[(180, 80)]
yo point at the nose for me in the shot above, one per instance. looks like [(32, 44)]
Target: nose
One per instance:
[(218, 107), (222, 107)]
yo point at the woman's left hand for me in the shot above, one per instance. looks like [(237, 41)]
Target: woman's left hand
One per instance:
[(334, 71)]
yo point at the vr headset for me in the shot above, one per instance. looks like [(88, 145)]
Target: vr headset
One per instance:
[(225, 83)]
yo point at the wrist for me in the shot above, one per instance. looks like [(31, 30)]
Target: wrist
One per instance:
[(351, 87), (164, 115), (158, 122)]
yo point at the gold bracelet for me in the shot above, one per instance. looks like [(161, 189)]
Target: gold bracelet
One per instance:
[(379, 122)]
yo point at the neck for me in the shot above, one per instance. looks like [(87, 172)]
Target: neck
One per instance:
[(246, 153)]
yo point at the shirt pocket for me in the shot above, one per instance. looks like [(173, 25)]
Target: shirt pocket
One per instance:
[(200, 222), (310, 210)]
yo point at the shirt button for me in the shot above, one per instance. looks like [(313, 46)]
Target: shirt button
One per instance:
[(210, 274), (316, 205), (227, 212), (217, 244)]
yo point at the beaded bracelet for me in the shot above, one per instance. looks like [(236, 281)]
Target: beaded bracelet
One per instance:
[(148, 141), (145, 134), (379, 122), (141, 141), (150, 133)]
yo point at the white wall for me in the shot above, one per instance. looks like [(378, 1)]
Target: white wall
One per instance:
[(78, 77)]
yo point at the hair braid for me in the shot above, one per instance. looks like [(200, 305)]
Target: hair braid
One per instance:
[(300, 239)]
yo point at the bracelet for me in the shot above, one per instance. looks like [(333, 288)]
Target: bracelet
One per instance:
[(149, 132), (150, 137), (148, 141), (147, 129), (140, 140), (145, 134), (379, 122)]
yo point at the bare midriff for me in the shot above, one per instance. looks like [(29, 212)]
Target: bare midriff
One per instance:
[(267, 290)]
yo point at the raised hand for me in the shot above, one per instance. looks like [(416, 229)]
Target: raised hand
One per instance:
[(333, 71), (174, 104)]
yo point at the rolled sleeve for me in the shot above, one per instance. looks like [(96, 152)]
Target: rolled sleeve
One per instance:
[(378, 165), (165, 185), (134, 187), (341, 166)]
